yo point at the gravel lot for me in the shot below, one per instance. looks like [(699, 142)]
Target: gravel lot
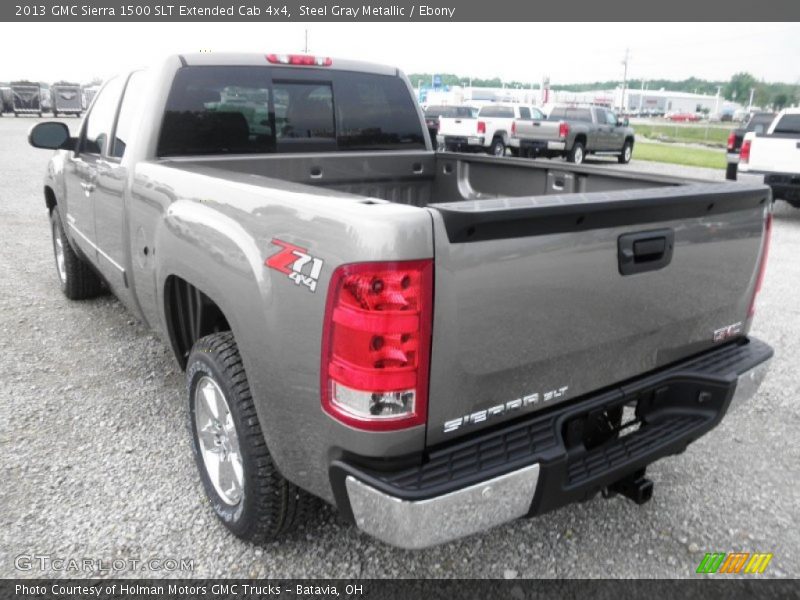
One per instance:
[(97, 460)]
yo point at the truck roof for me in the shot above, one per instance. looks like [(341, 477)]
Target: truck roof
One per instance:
[(259, 59)]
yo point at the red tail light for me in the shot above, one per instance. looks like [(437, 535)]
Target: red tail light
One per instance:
[(376, 344), (761, 265), (731, 140), (744, 153), (513, 128), (301, 60), (481, 127), (563, 129)]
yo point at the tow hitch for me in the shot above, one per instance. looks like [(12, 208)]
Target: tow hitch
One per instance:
[(635, 487)]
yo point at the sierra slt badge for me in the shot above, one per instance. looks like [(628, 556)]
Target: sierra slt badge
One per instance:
[(297, 263), (480, 416)]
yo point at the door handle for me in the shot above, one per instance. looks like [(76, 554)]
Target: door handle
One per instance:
[(645, 251)]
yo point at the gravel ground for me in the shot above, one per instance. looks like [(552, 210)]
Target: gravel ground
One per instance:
[(97, 460)]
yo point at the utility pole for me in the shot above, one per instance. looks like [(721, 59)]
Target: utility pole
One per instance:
[(624, 78), (641, 98), (750, 104), (305, 48)]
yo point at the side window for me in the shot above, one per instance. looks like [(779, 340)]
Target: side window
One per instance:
[(537, 114), (524, 112), (131, 102), (611, 119), (101, 118), (601, 116)]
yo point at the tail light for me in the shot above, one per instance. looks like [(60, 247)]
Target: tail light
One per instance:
[(301, 60), (481, 127), (762, 265), (563, 129), (731, 140), (513, 128), (744, 153), (376, 344)]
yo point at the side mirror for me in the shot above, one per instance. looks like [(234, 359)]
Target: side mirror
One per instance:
[(51, 135), (622, 122)]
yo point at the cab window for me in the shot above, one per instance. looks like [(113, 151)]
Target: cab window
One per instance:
[(96, 131)]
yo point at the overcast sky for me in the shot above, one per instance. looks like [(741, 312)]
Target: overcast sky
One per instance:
[(516, 51)]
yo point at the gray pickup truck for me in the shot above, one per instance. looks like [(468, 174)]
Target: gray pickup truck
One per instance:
[(574, 132), (435, 343)]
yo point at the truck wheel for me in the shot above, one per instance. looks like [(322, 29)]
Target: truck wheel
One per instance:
[(77, 279), (576, 155), (240, 479), (498, 148), (731, 171), (625, 156)]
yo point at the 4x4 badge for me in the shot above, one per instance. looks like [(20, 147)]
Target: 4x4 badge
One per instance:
[(297, 263)]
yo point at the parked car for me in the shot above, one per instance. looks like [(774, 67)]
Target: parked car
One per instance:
[(433, 113), (426, 340), (683, 117), (490, 132), (574, 132), (776, 155), (66, 98), (26, 98), (757, 122)]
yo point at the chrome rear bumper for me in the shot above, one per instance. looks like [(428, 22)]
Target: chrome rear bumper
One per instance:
[(414, 523), (422, 523)]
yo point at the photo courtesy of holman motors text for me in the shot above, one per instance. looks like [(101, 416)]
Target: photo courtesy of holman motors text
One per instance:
[(399, 297)]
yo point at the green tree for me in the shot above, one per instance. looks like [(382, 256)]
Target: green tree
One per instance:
[(780, 100), (738, 88)]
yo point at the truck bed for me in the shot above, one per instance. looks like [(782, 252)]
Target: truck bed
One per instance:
[(531, 300)]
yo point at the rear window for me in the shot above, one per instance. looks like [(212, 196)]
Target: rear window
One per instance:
[(788, 124), (258, 110), (503, 112), (561, 113), (448, 111)]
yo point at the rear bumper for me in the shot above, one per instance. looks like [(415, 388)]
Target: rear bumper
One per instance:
[(456, 142), (542, 145), (547, 460)]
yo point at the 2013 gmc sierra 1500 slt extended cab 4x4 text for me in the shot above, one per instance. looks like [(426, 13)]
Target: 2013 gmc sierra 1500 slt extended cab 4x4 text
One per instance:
[(434, 343)]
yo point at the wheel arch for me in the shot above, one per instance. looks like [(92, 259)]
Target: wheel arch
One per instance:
[(190, 314)]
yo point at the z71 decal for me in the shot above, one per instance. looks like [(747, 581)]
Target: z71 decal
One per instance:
[(297, 263)]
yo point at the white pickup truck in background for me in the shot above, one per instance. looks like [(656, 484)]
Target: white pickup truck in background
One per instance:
[(776, 155), (490, 133)]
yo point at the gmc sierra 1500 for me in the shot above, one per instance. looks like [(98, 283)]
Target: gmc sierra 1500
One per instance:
[(434, 343)]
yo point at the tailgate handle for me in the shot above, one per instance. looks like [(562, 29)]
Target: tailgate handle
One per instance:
[(645, 251)]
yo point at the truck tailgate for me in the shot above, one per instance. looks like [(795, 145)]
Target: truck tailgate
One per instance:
[(532, 309), (537, 130), (773, 153), (458, 126)]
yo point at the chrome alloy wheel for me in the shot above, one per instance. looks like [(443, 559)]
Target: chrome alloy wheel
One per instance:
[(218, 441), (628, 152), (58, 249)]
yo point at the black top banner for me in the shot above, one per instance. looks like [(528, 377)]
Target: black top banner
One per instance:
[(399, 10)]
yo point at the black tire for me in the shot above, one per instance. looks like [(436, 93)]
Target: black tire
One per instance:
[(731, 171), (627, 152), (269, 504), (78, 280), (577, 153), (497, 148)]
